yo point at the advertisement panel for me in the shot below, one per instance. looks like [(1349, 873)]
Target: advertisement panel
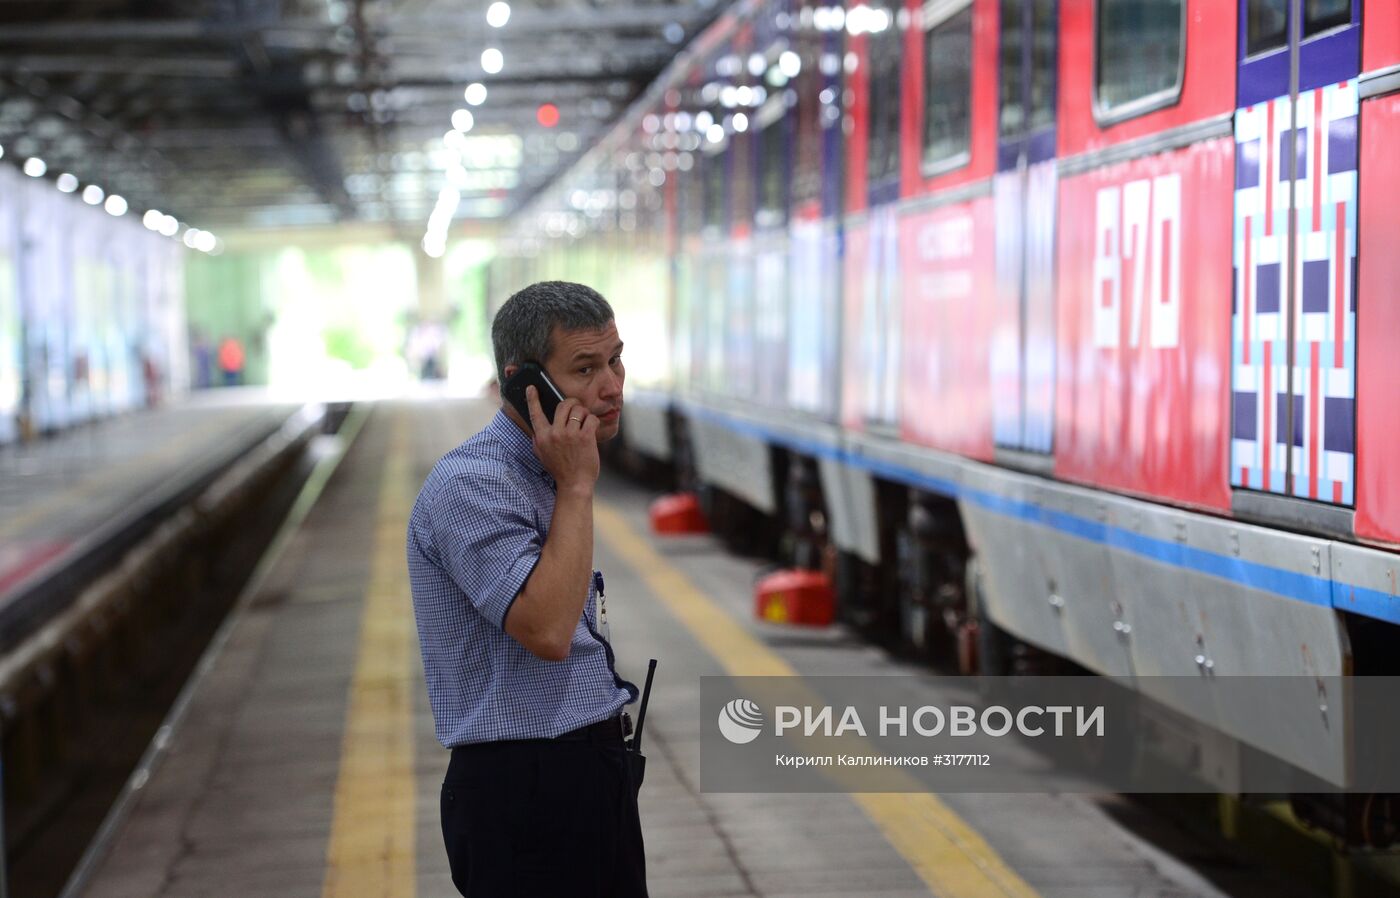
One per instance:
[(1378, 293), (683, 330), (853, 375), (710, 349), (770, 319), (1380, 39), (738, 378), (1144, 317), (814, 266), (948, 269)]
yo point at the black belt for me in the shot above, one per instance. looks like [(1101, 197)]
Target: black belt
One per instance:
[(610, 730)]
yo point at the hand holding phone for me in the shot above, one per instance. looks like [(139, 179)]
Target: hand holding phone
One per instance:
[(531, 374), (565, 434)]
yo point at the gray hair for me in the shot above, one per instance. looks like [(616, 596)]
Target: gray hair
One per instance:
[(523, 324)]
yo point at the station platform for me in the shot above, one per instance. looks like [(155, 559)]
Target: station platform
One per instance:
[(302, 761)]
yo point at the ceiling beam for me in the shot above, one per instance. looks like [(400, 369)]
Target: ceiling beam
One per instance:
[(183, 67), (459, 27)]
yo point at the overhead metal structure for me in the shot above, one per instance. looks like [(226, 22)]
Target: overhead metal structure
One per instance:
[(248, 113)]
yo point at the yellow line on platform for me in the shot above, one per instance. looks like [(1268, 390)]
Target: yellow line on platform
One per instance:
[(952, 859), (371, 850)]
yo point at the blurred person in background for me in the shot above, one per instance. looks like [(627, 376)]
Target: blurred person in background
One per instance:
[(231, 361)]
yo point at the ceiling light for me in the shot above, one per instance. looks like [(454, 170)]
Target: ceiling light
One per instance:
[(475, 93), (92, 194), (35, 167), (497, 14), (492, 61), (741, 122), (205, 242), (115, 205), (153, 219), (169, 226), (67, 182), (463, 120), (790, 64), (191, 236), (715, 133)]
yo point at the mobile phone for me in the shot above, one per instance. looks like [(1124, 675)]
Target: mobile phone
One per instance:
[(531, 374)]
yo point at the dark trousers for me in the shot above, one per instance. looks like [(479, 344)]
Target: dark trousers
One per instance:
[(544, 818)]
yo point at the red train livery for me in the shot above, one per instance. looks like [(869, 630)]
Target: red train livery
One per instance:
[(1074, 319)]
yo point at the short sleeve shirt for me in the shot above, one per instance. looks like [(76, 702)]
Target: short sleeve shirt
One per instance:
[(474, 537)]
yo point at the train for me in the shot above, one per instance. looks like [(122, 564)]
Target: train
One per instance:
[(1060, 333)]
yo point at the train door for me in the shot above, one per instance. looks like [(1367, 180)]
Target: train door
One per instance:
[(814, 257), (1294, 321), (773, 163), (713, 267), (1024, 189), (880, 336)]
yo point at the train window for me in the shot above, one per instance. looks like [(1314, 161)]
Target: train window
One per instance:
[(1266, 28), (886, 52), (1016, 119), (947, 84), (692, 201), (772, 175), (1321, 15), (807, 173), (712, 171), (1139, 63), (1011, 118), (740, 172), (1043, 35)]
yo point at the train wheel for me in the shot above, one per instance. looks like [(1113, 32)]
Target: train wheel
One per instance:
[(852, 592), (983, 647)]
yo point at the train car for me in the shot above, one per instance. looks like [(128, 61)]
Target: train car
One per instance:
[(1046, 312)]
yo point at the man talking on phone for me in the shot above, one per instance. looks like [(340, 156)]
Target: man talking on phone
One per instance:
[(539, 798)]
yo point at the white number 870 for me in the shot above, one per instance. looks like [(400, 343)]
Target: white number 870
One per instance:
[(1138, 228)]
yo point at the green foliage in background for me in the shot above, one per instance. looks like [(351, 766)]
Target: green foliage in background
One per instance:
[(345, 342)]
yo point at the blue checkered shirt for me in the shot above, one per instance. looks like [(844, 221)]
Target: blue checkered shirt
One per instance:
[(474, 537)]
